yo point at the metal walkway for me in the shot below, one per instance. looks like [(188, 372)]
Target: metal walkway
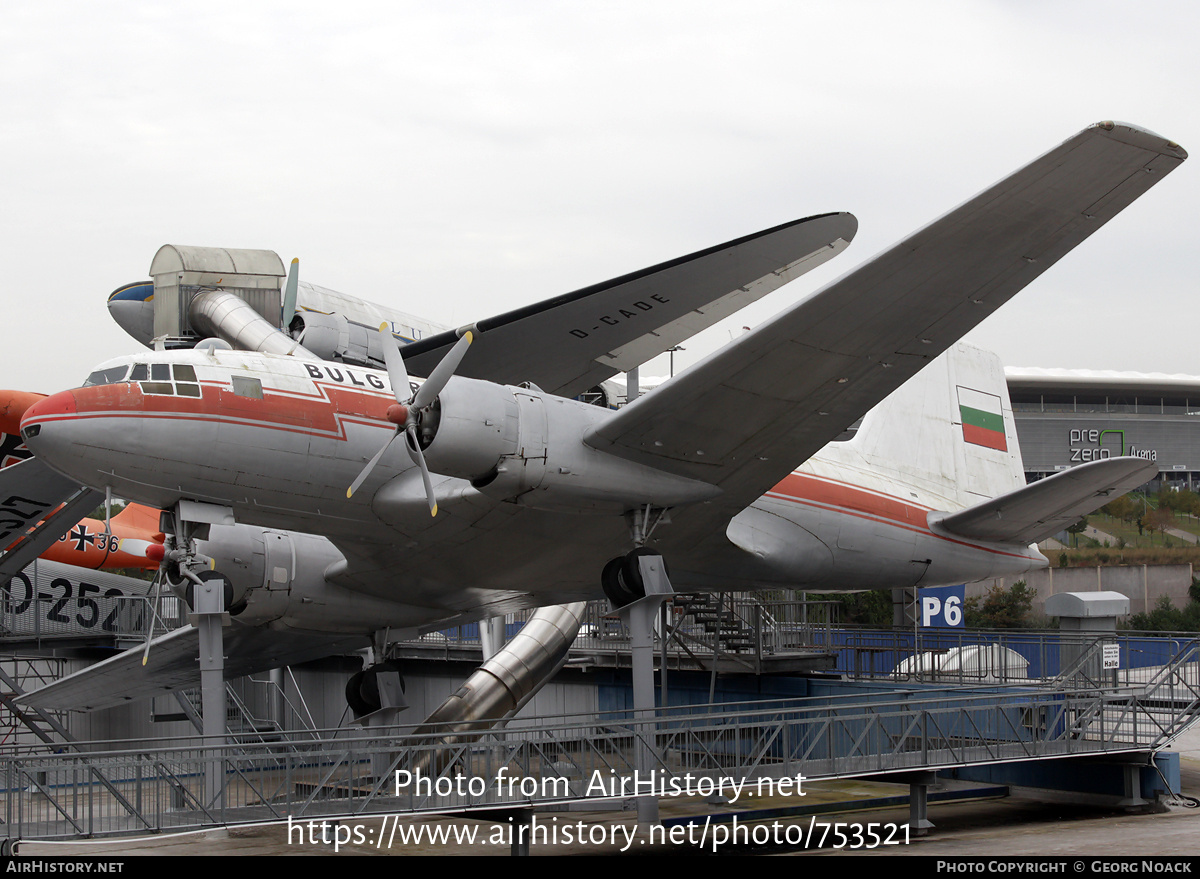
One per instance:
[(556, 761)]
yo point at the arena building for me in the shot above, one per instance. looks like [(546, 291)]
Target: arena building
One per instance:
[(1069, 417)]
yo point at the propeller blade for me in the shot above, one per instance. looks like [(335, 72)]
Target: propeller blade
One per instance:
[(289, 294), (366, 471), (414, 452), (397, 374), (441, 374)]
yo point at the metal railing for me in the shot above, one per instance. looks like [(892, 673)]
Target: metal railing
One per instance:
[(741, 628), (1051, 658), (556, 760)]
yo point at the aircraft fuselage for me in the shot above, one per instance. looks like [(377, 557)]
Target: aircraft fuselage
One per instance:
[(524, 504)]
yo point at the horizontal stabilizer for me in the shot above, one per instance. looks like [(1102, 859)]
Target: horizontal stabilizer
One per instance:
[(1046, 507), (173, 666)]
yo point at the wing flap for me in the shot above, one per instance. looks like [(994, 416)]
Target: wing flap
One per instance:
[(1044, 508)]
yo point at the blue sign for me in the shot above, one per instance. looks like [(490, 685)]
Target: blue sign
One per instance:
[(941, 607)]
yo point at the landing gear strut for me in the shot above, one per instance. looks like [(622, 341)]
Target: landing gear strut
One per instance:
[(636, 583)]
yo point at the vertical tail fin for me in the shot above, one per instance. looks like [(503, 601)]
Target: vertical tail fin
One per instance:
[(136, 517), (949, 429)]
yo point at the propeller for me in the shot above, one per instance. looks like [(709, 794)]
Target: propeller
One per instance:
[(289, 295), (407, 416)]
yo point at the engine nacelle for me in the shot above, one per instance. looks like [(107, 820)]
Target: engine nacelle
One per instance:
[(474, 426), (280, 580), (244, 556), (526, 447), (332, 337)]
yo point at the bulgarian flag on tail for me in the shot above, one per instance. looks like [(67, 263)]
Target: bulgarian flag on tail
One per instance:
[(982, 419)]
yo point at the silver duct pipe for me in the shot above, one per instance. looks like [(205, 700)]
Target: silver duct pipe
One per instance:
[(503, 684), (229, 317)]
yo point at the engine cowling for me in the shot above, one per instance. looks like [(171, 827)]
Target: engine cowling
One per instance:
[(474, 426), (524, 446), (332, 337)]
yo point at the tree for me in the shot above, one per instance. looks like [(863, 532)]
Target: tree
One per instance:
[(1002, 608), (867, 608), (1160, 520), (1164, 618), (1124, 508)]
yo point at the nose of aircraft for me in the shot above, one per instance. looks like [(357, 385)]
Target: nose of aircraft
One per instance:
[(37, 427), (132, 307)]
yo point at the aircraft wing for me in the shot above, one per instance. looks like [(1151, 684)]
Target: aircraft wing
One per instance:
[(29, 492), (172, 665), (743, 418), (573, 342), (1044, 508)]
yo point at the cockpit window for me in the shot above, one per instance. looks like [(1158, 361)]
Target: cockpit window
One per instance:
[(185, 380), (184, 385), (155, 378), (109, 376)]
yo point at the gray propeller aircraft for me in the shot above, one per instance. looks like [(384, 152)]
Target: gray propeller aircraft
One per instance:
[(487, 488)]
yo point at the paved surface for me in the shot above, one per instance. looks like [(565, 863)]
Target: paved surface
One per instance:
[(983, 827)]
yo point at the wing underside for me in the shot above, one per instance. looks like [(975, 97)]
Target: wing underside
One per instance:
[(172, 666), (37, 506)]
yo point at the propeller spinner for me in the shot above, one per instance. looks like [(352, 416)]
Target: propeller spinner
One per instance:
[(407, 416)]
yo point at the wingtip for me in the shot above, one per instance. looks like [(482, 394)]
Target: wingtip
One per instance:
[(1137, 135)]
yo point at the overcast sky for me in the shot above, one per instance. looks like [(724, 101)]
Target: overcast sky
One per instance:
[(457, 160)]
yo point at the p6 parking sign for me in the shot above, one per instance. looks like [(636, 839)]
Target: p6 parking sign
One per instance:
[(941, 607)]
